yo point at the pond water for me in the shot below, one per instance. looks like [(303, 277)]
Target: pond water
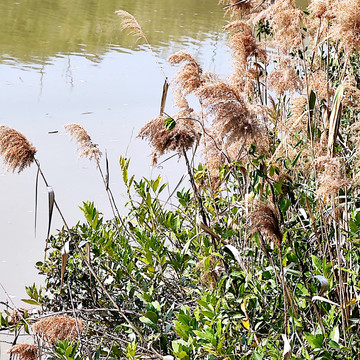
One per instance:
[(67, 61)]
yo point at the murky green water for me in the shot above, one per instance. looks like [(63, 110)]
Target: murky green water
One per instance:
[(67, 61)]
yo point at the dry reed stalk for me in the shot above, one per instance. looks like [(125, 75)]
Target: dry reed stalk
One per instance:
[(16, 150), (214, 157), (55, 328), (86, 147), (24, 351)]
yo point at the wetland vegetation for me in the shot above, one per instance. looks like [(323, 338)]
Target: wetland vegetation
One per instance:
[(258, 257)]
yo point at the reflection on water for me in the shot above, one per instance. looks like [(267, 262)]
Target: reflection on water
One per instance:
[(33, 31)]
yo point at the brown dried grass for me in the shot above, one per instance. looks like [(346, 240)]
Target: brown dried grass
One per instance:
[(162, 140), (24, 351), (128, 22), (264, 218), (55, 328), (16, 150), (285, 20), (86, 147)]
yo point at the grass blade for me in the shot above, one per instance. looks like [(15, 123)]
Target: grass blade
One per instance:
[(51, 197), (334, 121)]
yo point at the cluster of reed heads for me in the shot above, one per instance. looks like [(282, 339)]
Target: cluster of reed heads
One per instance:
[(274, 99)]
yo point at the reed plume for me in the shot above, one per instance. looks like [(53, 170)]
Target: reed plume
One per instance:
[(16, 150), (319, 8), (244, 8), (285, 77), (346, 24), (233, 119), (243, 42), (24, 351), (332, 177), (319, 84), (285, 20), (129, 22), (86, 147), (181, 137), (264, 218), (244, 46), (55, 328), (187, 79), (16, 315)]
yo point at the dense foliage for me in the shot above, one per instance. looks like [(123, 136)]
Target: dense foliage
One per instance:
[(259, 257)]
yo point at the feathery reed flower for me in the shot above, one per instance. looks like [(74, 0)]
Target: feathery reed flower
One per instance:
[(243, 42), (181, 137), (285, 78), (233, 119), (128, 21), (244, 46), (86, 147), (16, 150), (264, 218), (243, 8), (16, 315), (319, 8), (346, 24), (318, 83), (24, 351), (54, 328), (332, 177), (298, 119), (188, 78), (285, 20)]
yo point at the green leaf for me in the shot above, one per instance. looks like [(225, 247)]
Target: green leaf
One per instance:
[(170, 123), (148, 322), (335, 334), (152, 316), (315, 341), (30, 301)]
